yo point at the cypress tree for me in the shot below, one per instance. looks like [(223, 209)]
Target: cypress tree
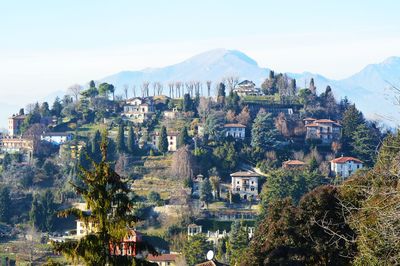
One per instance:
[(131, 140), (163, 140), (5, 202), (95, 146), (121, 139), (183, 137)]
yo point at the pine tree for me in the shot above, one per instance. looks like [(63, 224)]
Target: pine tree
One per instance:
[(121, 138), (352, 118), (95, 145), (237, 243), (163, 140), (263, 133), (111, 212), (131, 140), (364, 144), (183, 137)]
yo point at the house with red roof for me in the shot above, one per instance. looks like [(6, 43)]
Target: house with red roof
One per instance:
[(163, 259), (324, 129), (345, 166), (237, 131), (294, 164)]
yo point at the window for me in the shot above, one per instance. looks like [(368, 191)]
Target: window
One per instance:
[(237, 182), (238, 189), (252, 189)]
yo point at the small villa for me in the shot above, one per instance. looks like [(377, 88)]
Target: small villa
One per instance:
[(324, 129), (345, 166), (245, 184), (237, 131)]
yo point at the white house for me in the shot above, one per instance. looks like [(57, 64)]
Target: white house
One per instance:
[(56, 138), (345, 166), (245, 184), (237, 131), (247, 88)]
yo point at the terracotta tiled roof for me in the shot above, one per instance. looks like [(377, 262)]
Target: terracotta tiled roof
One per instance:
[(235, 125), (345, 159), (162, 257), (244, 174), (294, 162), (311, 125), (309, 119)]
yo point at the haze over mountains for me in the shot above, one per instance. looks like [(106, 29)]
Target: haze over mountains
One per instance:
[(367, 88)]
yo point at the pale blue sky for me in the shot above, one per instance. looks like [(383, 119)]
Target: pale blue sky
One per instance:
[(48, 45)]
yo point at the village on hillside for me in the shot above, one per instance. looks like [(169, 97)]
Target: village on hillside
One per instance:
[(201, 168)]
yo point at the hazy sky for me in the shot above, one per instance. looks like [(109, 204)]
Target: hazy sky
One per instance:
[(45, 46)]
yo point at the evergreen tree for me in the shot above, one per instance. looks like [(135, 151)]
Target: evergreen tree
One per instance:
[(206, 191), (221, 94), (237, 243), (187, 103), (121, 138), (5, 204), (163, 140), (6, 161), (232, 102), (95, 146), (43, 210), (352, 118), (183, 137), (195, 249), (263, 134), (56, 107), (364, 144), (131, 140), (312, 87), (111, 212)]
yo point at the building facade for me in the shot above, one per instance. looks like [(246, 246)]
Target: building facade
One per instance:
[(237, 131), (325, 130), (247, 88), (172, 138), (345, 166), (56, 138), (245, 184), (138, 110), (14, 124)]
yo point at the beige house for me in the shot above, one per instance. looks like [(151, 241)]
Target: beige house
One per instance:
[(245, 184), (237, 131), (138, 110), (172, 138), (324, 129), (14, 124), (163, 259)]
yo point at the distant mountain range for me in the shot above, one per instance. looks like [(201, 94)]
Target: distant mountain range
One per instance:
[(367, 88)]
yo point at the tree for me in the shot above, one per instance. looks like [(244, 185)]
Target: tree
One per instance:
[(183, 163), (364, 144), (43, 211), (312, 87), (352, 118), (237, 242), (244, 117), (183, 137), (221, 93), (187, 103), (111, 211), (163, 140), (5, 204), (213, 127), (195, 249), (154, 197), (75, 90), (121, 138), (6, 161), (263, 134), (232, 102), (95, 146), (206, 191), (131, 140), (57, 107)]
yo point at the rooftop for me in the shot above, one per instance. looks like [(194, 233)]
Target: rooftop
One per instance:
[(162, 257), (294, 162), (234, 125), (245, 174), (345, 160)]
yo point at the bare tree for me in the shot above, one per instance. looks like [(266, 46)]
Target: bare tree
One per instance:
[(208, 83), (232, 81), (126, 87), (171, 89), (178, 85), (75, 90), (197, 87), (145, 89), (154, 88), (183, 163)]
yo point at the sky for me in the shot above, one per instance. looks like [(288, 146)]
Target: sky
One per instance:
[(46, 46)]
